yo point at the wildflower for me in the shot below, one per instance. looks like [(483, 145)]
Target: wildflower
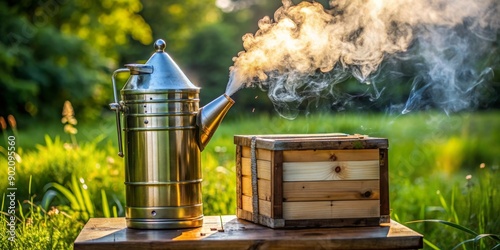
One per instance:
[(53, 211), (3, 124), (469, 183), (69, 119), (110, 160), (68, 114), (29, 221), (12, 121), (67, 146), (69, 129)]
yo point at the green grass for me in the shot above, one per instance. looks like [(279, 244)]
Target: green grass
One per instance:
[(430, 156)]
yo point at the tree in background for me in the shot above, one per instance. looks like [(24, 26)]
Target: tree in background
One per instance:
[(198, 39), (57, 50), (52, 51)]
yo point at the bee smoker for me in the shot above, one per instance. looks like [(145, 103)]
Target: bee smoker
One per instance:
[(164, 133)]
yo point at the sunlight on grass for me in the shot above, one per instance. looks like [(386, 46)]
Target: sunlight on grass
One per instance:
[(451, 155), (441, 168)]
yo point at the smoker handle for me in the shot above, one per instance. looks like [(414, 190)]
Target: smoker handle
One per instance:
[(117, 108)]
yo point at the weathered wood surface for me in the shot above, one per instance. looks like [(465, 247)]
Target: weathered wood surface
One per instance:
[(232, 233), (277, 185), (384, 185), (312, 141)]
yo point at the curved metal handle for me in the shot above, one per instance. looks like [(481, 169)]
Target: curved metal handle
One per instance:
[(117, 108), (136, 69)]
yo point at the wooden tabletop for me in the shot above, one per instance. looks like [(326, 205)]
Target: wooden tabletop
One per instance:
[(228, 232)]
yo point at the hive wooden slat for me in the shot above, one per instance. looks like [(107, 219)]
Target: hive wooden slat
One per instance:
[(331, 190), (327, 170), (263, 168), (330, 155), (264, 206), (330, 209), (264, 188), (262, 154)]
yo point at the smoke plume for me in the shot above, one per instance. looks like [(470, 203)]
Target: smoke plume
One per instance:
[(305, 50)]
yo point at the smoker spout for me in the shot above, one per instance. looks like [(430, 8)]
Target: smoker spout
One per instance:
[(210, 116)]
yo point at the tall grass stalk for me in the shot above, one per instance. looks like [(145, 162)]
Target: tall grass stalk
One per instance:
[(39, 229), (76, 198), (3, 126), (105, 207), (476, 237)]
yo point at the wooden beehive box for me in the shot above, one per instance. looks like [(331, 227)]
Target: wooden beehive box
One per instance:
[(312, 180)]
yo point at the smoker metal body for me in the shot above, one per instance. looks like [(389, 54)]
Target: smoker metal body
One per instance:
[(164, 133)]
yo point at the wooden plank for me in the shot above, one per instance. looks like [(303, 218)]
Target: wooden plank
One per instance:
[(222, 232), (243, 214), (341, 222), (330, 155), (331, 209), (331, 190), (246, 203), (264, 188), (263, 168), (310, 141), (370, 143), (246, 185), (245, 140), (277, 185), (296, 136), (384, 184), (342, 170), (238, 177), (262, 154), (264, 206)]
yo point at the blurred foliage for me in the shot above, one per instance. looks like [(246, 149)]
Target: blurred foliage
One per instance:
[(208, 55), (53, 51)]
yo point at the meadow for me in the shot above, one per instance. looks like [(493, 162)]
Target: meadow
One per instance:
[(443, 173)]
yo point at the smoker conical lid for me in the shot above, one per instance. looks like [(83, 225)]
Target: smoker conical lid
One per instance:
[(166, 74)]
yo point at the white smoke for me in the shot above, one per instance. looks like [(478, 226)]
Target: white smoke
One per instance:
[(305, 51)]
